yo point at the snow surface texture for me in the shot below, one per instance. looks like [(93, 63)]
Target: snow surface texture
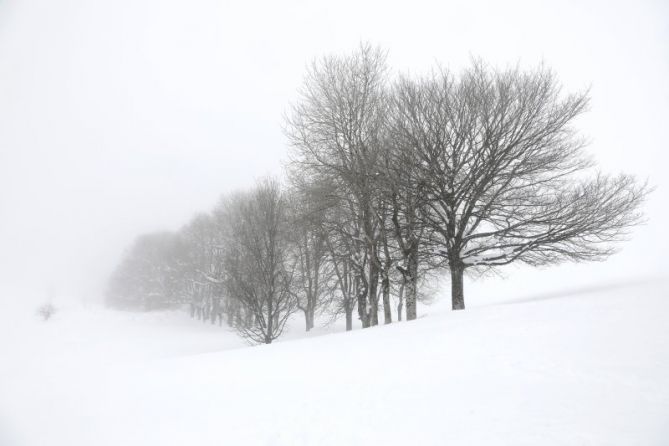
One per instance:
[(585, 368)]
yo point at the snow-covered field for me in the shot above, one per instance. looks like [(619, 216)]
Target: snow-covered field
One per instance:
[(583, 368)]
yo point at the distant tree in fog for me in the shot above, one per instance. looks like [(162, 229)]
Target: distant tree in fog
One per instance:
[(197, 286), (148, 277)]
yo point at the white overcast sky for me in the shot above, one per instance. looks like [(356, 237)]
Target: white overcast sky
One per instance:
[(120, 117)]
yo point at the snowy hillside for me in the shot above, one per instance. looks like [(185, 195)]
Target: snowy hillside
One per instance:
[(587, 368)]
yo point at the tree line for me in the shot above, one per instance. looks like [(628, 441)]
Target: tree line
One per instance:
[(390, 180)]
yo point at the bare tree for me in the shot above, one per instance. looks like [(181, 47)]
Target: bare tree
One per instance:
[(256, 261), (313, 273), (403, 192), (387, 252), (503, 172), (347, 282), (335, 132), (199, 238), (323, 209)]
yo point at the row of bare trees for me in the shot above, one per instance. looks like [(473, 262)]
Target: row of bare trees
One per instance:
[(258, 258), (391, 179)]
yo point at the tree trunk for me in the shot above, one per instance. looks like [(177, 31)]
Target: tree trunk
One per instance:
[(457, 287), (411, 299), (387, 312), (349, 317), (411, 286), (401, 302), (270, 321), (372, 295), (361, 292), (309, 319), (205, 312)]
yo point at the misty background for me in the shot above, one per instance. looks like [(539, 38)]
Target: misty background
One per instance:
[(119, 118)]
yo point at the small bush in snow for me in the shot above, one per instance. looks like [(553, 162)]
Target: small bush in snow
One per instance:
[(46, 311)]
